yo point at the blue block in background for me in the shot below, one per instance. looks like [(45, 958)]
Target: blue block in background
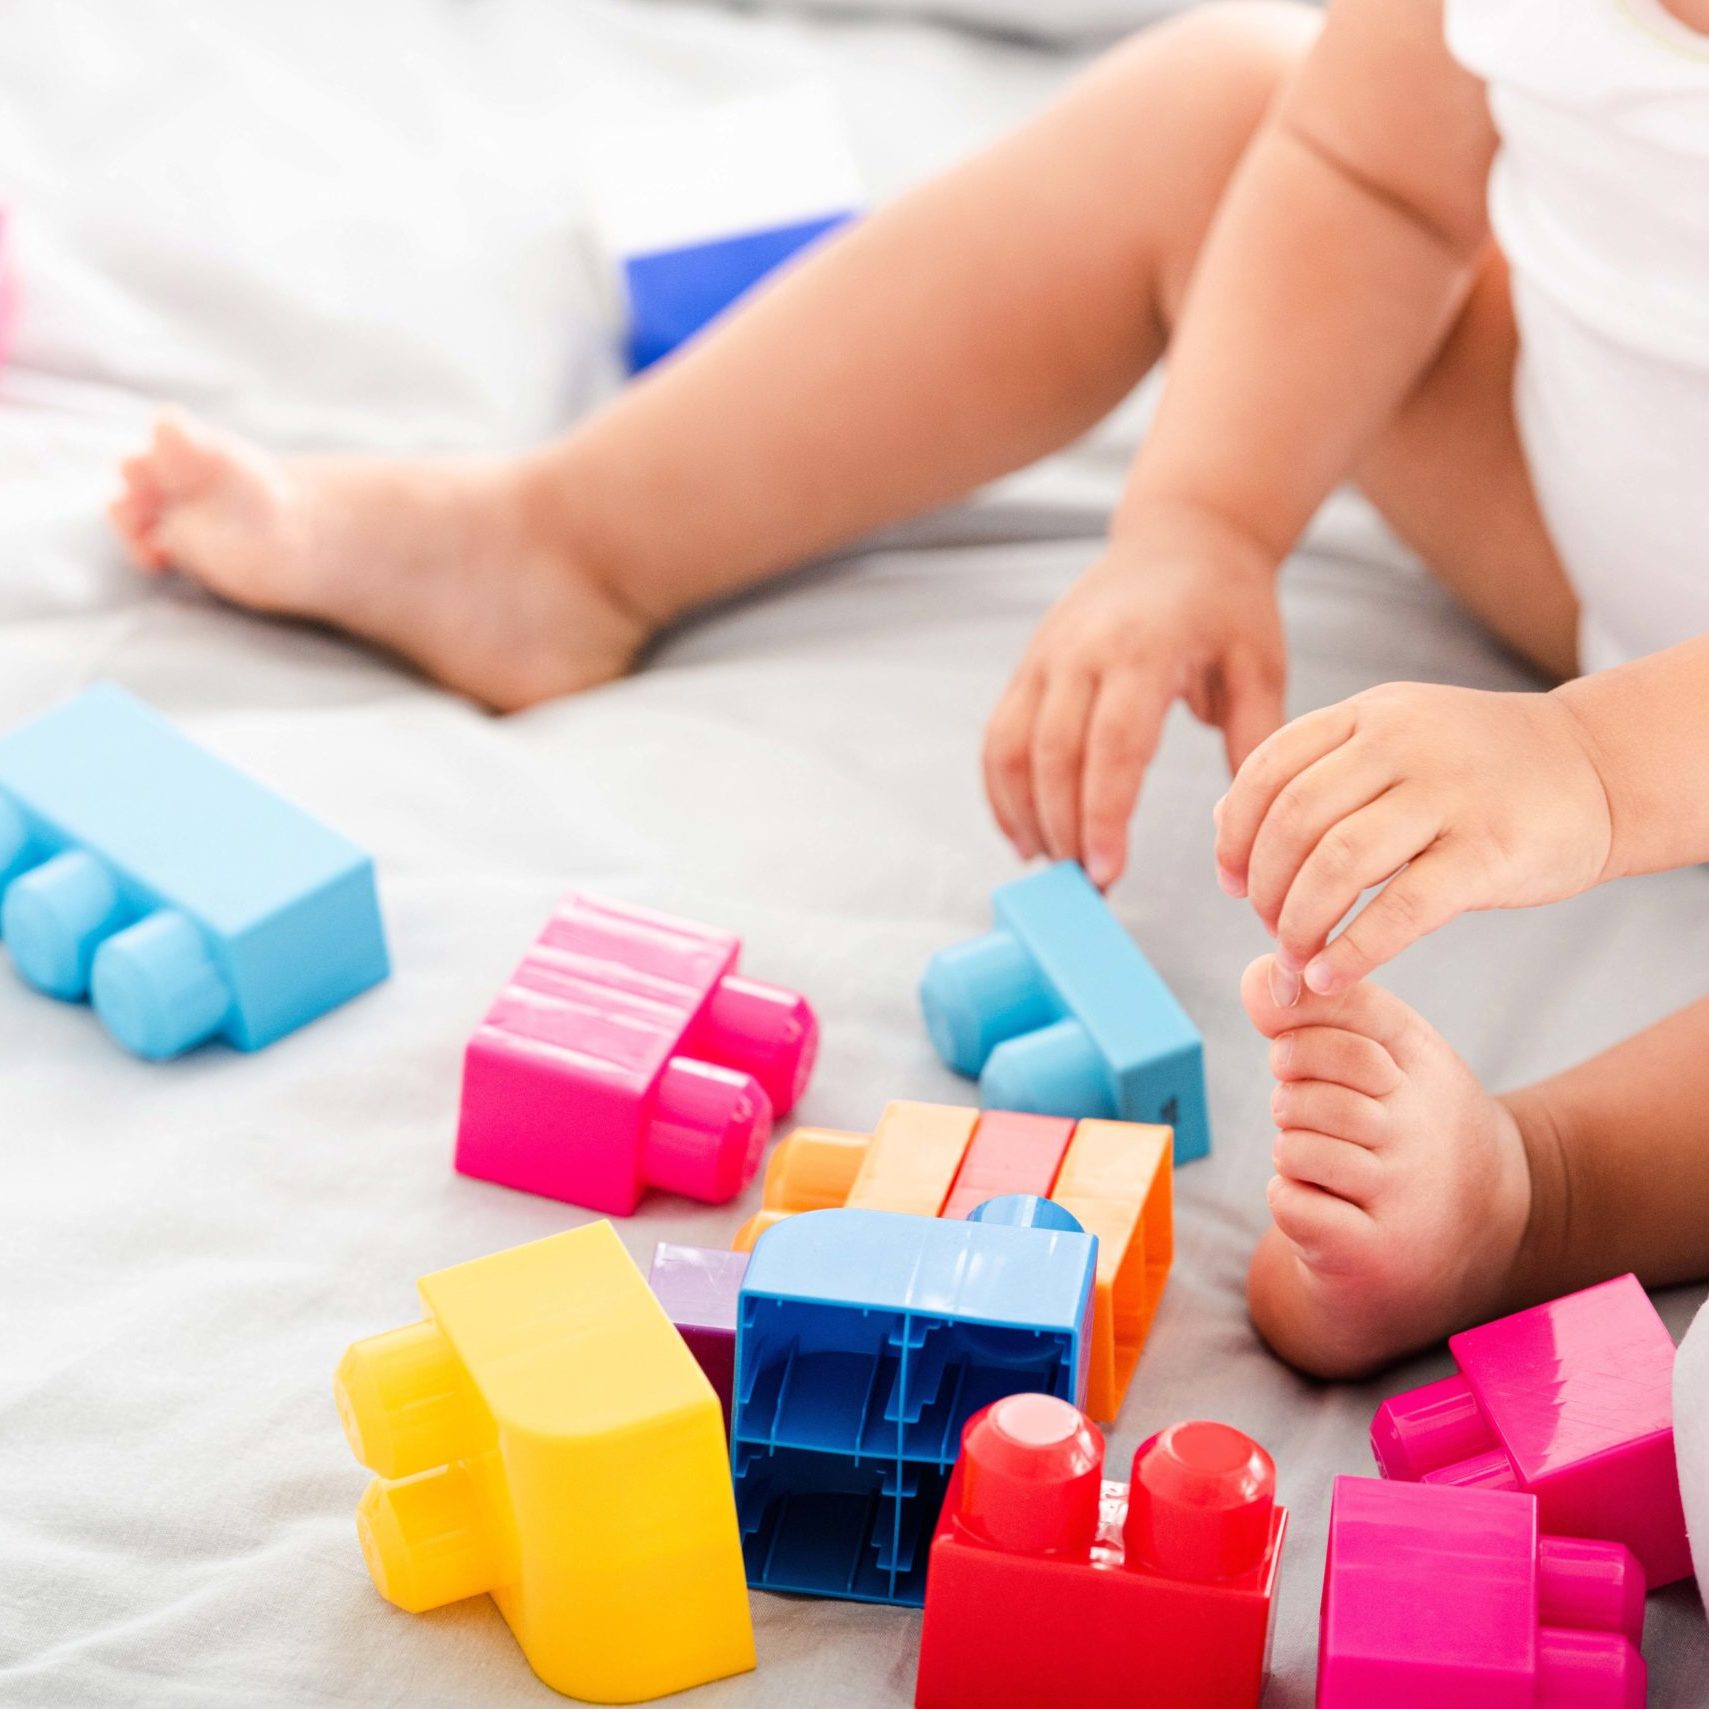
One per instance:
[(1057, 1012), (865, 1341), (673, 293), (182, 898)]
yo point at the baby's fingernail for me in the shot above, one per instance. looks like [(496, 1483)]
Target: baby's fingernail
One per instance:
[(1284, 986), (1231, 882), (1320, 976), (1284, 1048)]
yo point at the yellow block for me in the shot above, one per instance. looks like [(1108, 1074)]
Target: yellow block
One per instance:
[(913, 1159), (545, 1435), (1115, 1180)]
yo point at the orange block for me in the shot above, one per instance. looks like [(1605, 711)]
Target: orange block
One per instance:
[(913, 1159)]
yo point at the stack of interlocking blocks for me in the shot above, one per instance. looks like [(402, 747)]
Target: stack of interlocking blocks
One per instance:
[(940, 1160), (865, 1341)]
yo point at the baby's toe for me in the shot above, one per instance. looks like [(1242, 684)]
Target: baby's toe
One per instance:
[(1309, 1159), (1328, 1231), (1338, 1055), (1327, 1108), (186, 459)]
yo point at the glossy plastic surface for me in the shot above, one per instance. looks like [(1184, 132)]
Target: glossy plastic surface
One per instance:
[(1049, 1585), (866, 1339), (544, 1435), (1571, 1401), (180, 897), (1057, 1011), (1434, 1595), (699, 1289), (1114, 1178), (627, 1052)]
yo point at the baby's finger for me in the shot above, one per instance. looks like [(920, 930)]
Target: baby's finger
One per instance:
[(1126, 723), (1255, 709), (1059, 752), (1435, 889), (1353, 854), (1007, 761), (1304, 812), (1265, 772)]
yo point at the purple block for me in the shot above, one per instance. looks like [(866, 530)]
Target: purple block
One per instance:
[(699, 1288)]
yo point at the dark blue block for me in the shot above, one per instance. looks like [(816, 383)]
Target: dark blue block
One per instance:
[(673, 293)]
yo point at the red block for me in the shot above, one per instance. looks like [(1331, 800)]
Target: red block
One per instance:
[(1048, 1585), (1009, 1153)]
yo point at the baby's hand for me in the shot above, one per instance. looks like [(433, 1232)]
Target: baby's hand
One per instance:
[(1459, 799), (1173, 611)]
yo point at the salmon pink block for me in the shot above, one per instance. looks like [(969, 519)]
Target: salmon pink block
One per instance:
[(1571, 1401), (1435, 1595), (627, 1052), (1049, 1585)]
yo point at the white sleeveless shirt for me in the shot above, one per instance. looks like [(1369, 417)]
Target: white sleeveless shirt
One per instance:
[(1600, 200)]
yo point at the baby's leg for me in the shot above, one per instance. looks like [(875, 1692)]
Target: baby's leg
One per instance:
[(1409, 1202), (973, 326)]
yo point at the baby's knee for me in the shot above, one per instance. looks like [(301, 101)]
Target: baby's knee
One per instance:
[(1237, 51)]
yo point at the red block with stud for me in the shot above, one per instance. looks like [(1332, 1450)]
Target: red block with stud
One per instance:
[(1049, 1585)]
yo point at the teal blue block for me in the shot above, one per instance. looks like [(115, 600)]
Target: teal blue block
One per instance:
[(180, 897), (1057, 1012), (865, 1340)]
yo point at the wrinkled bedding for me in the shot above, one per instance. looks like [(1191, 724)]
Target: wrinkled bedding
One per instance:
[(359, 228)]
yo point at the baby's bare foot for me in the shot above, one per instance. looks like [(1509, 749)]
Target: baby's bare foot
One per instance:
[(459, 565), (1403, 1188)]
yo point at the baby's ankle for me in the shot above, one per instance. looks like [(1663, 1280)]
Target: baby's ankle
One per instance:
[(1547, 1255)]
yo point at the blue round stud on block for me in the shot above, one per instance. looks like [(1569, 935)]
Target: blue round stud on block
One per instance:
[(1026, 1210), (978, 993), (54, 916), (156, 989), (1055, 1071)]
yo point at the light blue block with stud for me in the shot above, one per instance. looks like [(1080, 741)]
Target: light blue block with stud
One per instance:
[(181, 898), (1056, 1011)]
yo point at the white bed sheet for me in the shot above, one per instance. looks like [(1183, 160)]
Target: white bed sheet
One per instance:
[(383, 252)]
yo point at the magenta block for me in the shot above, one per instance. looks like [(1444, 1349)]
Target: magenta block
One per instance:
[(1436, 1596), (699, 1287), (626, 1052), (1572, 1401)]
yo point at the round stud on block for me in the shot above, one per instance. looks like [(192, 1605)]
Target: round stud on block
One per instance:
[(1032, 1473), (1200, 1503), (14, 840), (426, 1539), (979, 993), (1588, 1670), (1596, 1586), (156, 989), (708, 1130), (1482, 1471), (1026, 1210), (1055, 1071), (404, 1404), (762, 1030), (1428, 1428), (54, 917)]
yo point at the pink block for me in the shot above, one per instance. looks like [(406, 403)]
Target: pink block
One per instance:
[(1009, 1153), (627, 1052), (8, 286), (1434, 1595), (1571, 1401)]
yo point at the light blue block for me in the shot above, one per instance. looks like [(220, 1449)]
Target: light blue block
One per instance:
[(1057, 1012), (865, 1341), (183, 899)]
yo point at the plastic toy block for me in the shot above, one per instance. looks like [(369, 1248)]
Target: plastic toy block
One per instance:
[(1009, 1153), (694, 210), (1117, 1182), (544, 1435), (627, 1052), (1571, 1401), (1049, 1585), (8, 286), (1057, 1011), (699, 1290), (181, 898), (1435, 1595), (1114, 1177), (865, 1341)]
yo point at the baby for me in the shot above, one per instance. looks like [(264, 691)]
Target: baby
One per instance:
[(1456, 250)]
